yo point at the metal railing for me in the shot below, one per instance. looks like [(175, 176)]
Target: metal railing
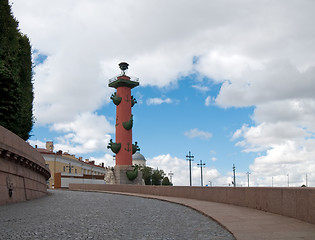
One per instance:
[(113, 79)]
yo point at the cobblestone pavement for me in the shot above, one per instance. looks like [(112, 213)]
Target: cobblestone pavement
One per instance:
[(91, 215)]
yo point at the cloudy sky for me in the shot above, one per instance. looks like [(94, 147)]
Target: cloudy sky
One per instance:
[(231, 81)]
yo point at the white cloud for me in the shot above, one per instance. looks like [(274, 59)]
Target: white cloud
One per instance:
[(267, 135), (37, 143), (286, 149), (63, 91), (107, 159), (299, 112), (180, 169), (87, 133), (278, 80), (208, 101), (84, 46), (262, 52), (222, 65), (295, 159), (196, 133), (158, 101), (201, 88)]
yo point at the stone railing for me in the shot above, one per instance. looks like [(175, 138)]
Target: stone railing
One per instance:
[(23, 173)]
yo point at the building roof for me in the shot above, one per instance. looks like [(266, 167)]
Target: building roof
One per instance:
[(67, 156), (138, 156), (44, 151)]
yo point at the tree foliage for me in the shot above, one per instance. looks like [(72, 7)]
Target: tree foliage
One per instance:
[(16, 87), (166, 182), (157, 176), (146, 174), (152, 176)]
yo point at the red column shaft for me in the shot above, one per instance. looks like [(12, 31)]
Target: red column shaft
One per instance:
[(123, 136)]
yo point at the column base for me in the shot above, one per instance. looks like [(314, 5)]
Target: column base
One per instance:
[(117, 175)]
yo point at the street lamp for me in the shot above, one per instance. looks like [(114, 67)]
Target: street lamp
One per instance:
[(170, 174), (248, 178), (288, 180), (234, 180), (190, 158), (201, 166)]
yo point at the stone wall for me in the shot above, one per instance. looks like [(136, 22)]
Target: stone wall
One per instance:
[(23, 173), (63, 181), (292, 202)]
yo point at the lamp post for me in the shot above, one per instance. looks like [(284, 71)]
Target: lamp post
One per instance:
[(190, 158), (201, 166), (171, 176), (248, 178), (288, 180), (234, 180)]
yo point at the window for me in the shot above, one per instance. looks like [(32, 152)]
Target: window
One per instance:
[(75, 170), (64, 168)]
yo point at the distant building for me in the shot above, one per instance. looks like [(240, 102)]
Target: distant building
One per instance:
[(69, 166), (138, 159)]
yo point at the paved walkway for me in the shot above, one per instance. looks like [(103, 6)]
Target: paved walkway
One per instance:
[(94, 215), (247, 223)]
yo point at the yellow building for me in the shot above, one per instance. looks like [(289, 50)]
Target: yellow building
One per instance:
[(68, 165)]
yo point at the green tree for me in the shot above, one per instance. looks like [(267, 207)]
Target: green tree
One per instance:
[(16, 87), (166, 182), (146, 174), (26, 84), (157, 176), (154, 177)]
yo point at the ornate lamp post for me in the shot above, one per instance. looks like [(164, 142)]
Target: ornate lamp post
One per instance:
[(201, 166), (190, 158)]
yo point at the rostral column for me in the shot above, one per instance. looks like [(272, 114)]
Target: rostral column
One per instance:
[(123, 147)]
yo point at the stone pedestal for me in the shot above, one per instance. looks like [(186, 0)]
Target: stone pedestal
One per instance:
[(117, 175)]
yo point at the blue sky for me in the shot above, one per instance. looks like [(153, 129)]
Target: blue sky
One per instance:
[(231, 81), (168, 123), (164, 128)]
